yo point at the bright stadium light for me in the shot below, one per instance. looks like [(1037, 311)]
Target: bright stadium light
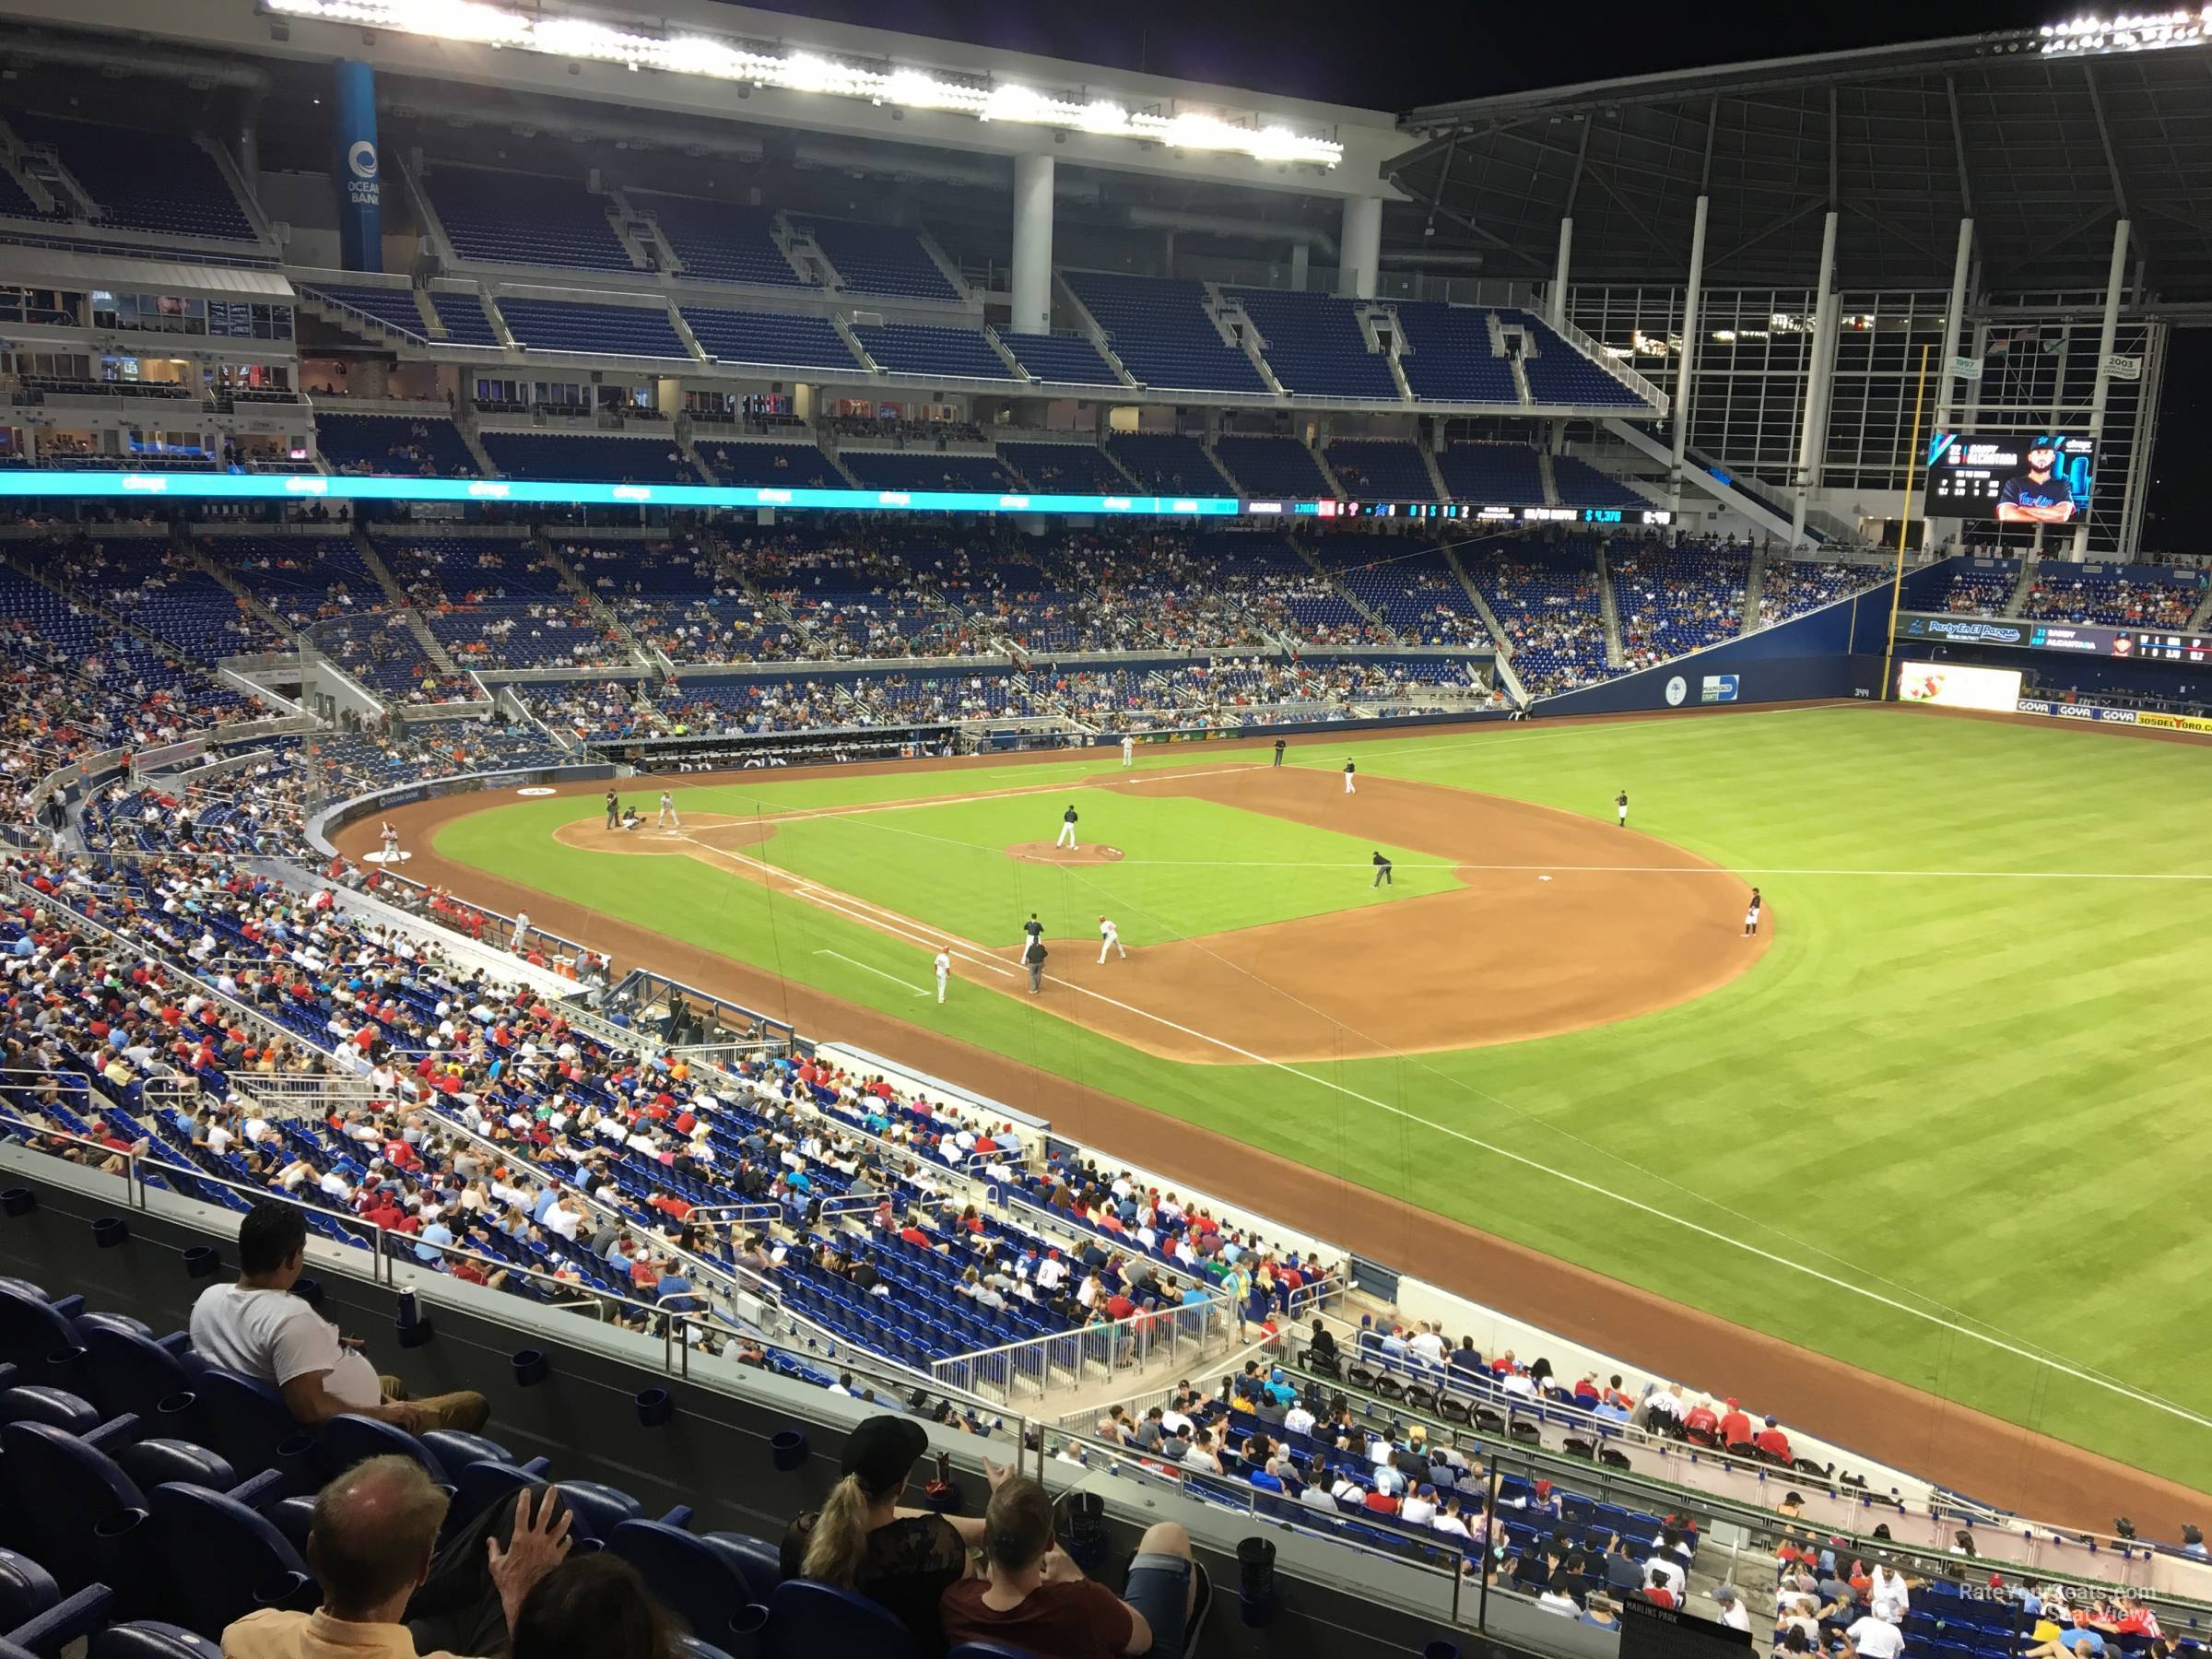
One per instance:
[(2142, 31), (478, 22)]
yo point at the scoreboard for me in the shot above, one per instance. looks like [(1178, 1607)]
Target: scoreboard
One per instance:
[(2139, 644)]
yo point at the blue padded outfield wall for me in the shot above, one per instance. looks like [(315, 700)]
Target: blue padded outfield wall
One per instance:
[(357, 170), (1833, 652)]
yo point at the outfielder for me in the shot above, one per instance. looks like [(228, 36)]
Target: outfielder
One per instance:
[(1067, 830), (1109, 939), (667, 818), (390, 837), (1621, 805), (1128, 749), (1349, 770), (944, 972)]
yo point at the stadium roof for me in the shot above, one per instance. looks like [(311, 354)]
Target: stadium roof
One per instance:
[(2044, 142)]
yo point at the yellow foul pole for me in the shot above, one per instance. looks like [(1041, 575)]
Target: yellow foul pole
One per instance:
[(1904, 525)]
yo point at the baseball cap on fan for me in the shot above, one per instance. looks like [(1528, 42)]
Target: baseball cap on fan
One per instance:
[(883, 1451)]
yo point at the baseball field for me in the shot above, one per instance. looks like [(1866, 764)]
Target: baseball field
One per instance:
[(1938, 1123)]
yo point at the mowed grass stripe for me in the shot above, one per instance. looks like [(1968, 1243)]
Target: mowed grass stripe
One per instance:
[(1983, 1095)]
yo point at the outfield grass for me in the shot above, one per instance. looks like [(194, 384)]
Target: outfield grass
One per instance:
[(1953, 1108)]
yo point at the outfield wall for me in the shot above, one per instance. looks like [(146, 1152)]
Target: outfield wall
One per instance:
[(1831, 652)]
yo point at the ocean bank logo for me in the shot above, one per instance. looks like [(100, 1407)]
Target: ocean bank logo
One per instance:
[(1676, 690), (361, 187)]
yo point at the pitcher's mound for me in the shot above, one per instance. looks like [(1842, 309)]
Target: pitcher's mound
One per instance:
[(1045, 852)]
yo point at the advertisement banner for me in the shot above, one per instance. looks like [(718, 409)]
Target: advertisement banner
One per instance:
[(2174, 723), (1718, 688), (2076, 639), (1960, 686), (361, 191), (2036, 705)]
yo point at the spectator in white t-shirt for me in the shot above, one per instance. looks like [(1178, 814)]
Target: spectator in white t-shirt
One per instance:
[(258, 1327), (1873, 1638)]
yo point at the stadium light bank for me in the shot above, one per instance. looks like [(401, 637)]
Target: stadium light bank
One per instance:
[(2130, 31), (480, 23)]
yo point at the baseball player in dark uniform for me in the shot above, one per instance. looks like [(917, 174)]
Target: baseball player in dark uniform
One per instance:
[(1621, 806), (1349, 770), (1067, 828), (1279, 746), (1033, 958), (1751, 915), (614, 811), (1033, 931), (1382, 874)]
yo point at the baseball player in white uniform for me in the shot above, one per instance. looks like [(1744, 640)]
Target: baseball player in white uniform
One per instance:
[(1349, 770), (522, 930), (943, 967), (1128, 749), (1067, 830), (1109, 939), (390, 837), (668, 819)]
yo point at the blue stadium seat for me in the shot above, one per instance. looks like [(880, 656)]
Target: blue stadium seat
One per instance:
[(127, 1372), (807, 1620), (223, 1560), (151, 1640), (702, 1584), (70, 1506)]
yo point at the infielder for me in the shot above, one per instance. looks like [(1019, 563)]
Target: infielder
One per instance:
[(1279, 746), (1751, 915), (944, 966), (1109, 939), (1621, 806), (390, 837), (1128, 749), (667, 818), (1349, 770), (1067, 830), (1033, 931), (1382, 877)]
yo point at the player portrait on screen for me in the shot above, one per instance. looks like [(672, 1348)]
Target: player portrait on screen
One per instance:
[(2037, 495)]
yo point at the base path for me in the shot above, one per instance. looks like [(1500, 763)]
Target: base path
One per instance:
[(1969, 1451)]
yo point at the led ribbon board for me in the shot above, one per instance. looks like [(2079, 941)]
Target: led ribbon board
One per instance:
[(303, 486)]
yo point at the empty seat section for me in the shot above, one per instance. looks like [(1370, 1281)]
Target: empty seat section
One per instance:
[(1271, 464), (1558, 373), (1492, 475), (719, 242), (1316, 347), (1162, 333), (499, 218), (605, 330), (607, 460), (463, 315), (1582, 485), (1170, 463), (773, 338), (394, 308), (1380, 469), (407, 446), (1065, 468), (880, 259), (771, 465), (925, 469), (1448, 356), (1070, 359), (916, 348), (142, 181)]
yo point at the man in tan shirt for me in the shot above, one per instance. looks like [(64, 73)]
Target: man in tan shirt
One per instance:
[(371, 1546)]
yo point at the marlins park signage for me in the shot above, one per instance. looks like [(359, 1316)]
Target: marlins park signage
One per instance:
[(2148, 646)]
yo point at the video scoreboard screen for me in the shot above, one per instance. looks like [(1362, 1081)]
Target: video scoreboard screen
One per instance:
[(1472, 511), (2034, 478)]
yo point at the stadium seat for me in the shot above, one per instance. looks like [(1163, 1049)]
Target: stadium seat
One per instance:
[(129, 1371), (70, 1506), (222, 1559), (703, 1582), (150, 1639), (807, 1620)]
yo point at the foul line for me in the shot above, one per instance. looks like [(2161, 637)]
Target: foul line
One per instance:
[(879, 972), (1238, 864), (1653, 1210)]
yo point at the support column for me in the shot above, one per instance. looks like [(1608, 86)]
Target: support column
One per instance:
[(1299, 255), (1816, 387), (1032, 244), (1954, 326), (1359, 247), (2106, 336), (361, 213), (1555, 313), (1689, 351)]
